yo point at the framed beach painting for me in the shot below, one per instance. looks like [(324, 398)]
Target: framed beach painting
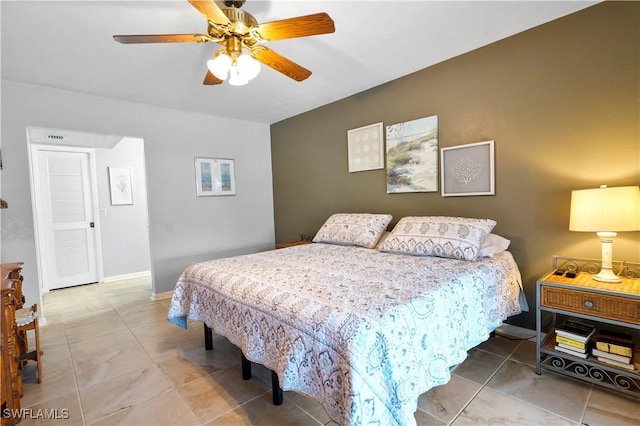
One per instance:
[(215, 176), (412, 156), (225, 177), (205, 175), (468, 169)]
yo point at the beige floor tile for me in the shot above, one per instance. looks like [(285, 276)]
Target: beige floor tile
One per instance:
[(194, 365), (549, 391), (55, 383), (424, 419), (89, 331), (156, 329), (309, 405), (97, 368), (52, 334), (82, 317), (128, 298), (261, 412), (51, 317), (97, 345), (479, 366), (607, 407), (136, 314), (75, 308), (493, 408), (445, 402), (499, 346), (165, 409), (525, 353), (118, 393), (171, 345), (55, 356), (63, 410), (220, 392)]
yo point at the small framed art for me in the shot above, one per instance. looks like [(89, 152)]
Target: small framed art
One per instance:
[(225, 177), (412, 156), (120, 186), (468, 169), (214, 176), (366, 148)]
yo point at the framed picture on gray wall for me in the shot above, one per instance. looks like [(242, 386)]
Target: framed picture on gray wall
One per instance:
[(468, 169), (205, 177), (215, 176), (412, 156), (120, 186), (366, 148), (225, 177)]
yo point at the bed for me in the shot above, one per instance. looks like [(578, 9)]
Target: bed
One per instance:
[(364, 329)]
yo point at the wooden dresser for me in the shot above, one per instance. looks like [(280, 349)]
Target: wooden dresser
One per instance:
[(11, 375), (12, 299)]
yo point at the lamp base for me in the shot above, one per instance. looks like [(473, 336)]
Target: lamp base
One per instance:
[(607, 276)]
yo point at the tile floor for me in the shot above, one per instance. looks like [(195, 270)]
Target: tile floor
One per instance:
[(111, 358)]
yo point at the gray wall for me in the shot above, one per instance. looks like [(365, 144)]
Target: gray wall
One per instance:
[(560, 101), (125, 228), (183, 228)]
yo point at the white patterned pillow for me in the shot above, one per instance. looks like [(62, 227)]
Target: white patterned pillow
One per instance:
[(354, 229), (441, 236)]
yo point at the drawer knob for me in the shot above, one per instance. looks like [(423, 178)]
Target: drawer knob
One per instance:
[(588, 304)]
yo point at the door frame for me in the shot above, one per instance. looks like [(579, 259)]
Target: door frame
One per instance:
[(39, 225)]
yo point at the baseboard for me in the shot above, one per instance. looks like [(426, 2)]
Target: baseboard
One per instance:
[(142, 274), (161, 296)]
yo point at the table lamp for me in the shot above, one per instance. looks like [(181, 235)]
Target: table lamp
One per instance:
[(605, 211)]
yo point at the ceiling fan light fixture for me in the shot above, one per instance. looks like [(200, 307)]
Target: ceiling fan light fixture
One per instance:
[(237, 30), (236, 78), (248, 67), (220, 65)]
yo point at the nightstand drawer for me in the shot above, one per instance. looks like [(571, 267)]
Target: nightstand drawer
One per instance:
[(597, 305)]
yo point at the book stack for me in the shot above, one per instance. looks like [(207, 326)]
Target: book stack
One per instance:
[(614, 348), (574, 338)]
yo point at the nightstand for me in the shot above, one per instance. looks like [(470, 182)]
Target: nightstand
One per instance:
[(291, 244), (597, 303)]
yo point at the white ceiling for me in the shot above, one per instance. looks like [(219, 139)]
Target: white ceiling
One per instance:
[(68, 45)]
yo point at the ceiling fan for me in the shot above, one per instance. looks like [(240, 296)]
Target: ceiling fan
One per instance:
[(236, 30)]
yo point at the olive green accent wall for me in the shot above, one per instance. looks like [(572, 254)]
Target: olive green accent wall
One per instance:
[(561, 101)]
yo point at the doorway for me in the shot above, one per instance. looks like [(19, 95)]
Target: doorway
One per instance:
[(116, 236)]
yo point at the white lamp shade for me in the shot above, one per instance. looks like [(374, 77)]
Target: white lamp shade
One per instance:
[(248, 67), (220, 65), (605, 209), (236, 78)]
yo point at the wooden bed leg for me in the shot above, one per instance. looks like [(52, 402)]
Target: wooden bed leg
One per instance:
[(275, 389), (246, 367), (208, 338)]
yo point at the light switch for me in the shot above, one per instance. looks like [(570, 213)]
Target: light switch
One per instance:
[(103, 212)]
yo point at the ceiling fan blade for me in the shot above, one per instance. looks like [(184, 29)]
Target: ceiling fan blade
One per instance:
[(162, 38), (211, 79), (302, 26), (211, 11), (280, 63)]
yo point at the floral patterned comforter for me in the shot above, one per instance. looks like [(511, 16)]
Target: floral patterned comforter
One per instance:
[(363, 332)]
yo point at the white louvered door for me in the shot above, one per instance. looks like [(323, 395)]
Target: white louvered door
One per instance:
[(68, 218)]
